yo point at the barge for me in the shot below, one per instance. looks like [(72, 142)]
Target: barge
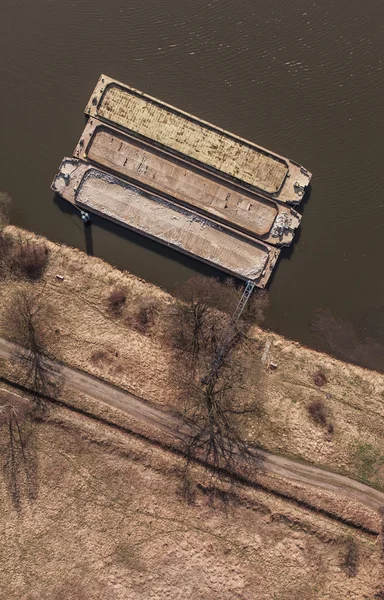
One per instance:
[(198, 141), (180, 181), (156, 217)]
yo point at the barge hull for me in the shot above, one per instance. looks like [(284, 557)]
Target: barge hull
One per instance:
[(198, 141), (161, 220), (177, 180)]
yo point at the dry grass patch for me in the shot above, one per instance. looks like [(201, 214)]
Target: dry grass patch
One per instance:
[(108, 513), (88, 336)]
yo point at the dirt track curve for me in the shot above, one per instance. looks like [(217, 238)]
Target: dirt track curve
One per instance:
[(144, 411)]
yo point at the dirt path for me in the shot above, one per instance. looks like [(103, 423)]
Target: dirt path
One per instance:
[(144, 411)]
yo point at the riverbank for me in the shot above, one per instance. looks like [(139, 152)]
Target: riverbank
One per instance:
[(347, 435), (91, 473)]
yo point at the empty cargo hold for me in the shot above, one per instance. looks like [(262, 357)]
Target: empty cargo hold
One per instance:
[(162, 220), (185, 135), (179, 180)]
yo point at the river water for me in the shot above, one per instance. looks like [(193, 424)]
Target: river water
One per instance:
[(302, 78)]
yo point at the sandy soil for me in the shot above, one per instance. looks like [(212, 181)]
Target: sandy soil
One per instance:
[(101, 517)]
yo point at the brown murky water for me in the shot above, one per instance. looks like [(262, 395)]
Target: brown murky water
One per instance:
[(303, 78)]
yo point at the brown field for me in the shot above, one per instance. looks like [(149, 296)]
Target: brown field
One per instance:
[(104, 517), (101, 517)]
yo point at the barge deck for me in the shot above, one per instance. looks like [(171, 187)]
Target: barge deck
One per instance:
[(164, 221), (202, 143), (184, 183)]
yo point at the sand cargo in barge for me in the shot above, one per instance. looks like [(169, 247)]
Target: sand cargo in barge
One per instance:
[(202, 143), (180, 181), (155, 217)]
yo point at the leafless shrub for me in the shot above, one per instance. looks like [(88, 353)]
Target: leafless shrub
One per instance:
[(318, 412), (5, 239), (101, 357), (381, 533), (144, 314), (379, 595), (116, 300), (320, 378), (350, 562), (30, 259)]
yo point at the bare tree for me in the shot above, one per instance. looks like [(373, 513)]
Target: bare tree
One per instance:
[(218, 388), (216, 399), (202, 297), (27, 321), (197, 297)]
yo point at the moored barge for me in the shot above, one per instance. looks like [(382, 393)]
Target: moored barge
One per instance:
[(179, 181), (164, 221), (202, 143)]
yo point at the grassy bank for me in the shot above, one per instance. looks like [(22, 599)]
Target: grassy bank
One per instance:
[(134, 353)]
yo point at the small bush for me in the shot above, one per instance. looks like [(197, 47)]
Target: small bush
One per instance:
[(100, 357), (320, 378), (31, 260), (144, 313), (350, 562), (116, 300), (318, 412), (379, 595)]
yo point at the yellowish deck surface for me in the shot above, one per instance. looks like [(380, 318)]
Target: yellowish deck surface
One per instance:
[(187, 137), (198, 141)]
